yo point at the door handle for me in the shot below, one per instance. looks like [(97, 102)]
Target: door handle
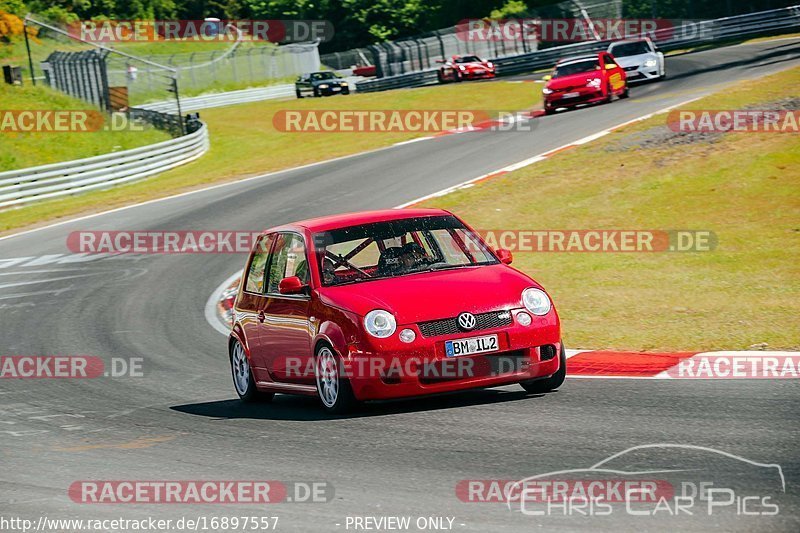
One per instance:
[(261, 316)]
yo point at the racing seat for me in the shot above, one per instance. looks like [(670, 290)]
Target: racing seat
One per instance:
[(389, 262)]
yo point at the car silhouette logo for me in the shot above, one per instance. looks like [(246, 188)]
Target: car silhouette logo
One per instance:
[(466, 321)]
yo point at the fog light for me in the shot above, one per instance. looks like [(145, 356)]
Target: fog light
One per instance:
[(524, 319), (408, 335)]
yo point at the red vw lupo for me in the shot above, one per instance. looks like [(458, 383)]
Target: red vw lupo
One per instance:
[(388, 304)]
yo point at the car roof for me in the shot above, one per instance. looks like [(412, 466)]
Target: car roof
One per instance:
[(345, 220)]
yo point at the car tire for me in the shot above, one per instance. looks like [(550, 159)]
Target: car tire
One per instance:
[(609, 94), (625, 93), (458, 77), (243, 380), (298, 93), (440, 76), (334, 390), (316, 93), (549, 110), (551, 383)]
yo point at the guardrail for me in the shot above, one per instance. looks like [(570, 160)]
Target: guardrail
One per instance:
[(222, 99), (717, 30), (207, 101), (101, 172)]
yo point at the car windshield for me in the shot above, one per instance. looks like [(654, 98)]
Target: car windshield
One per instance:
[(630, 49), (323, 76), (577, 67), (468, 59), (397, 248)]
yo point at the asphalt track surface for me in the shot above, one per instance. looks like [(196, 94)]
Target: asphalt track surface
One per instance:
[(181, 421)]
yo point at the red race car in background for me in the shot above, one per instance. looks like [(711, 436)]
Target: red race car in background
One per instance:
[(388, 304), (584, 80), (459, 68)]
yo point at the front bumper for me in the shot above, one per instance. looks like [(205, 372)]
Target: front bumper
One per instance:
[(333, 90), (585, 96), (642, 73), (479, 75), (396, 370)]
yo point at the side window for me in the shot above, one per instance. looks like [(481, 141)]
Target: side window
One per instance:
[(288, 259), (255, 274)]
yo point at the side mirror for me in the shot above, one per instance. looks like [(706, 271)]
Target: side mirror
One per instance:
[(547, 78), (290, 285), (504, 256)]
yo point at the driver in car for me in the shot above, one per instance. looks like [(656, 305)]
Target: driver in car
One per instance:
[(412, 256)]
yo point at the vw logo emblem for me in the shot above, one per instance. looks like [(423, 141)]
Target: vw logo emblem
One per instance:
[(466, 321)]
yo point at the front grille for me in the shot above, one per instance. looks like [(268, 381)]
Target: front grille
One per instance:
[(449, 326), (628, 69)]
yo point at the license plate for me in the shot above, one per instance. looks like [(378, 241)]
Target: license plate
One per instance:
[(571, 95), (337, 88), (471, 346)]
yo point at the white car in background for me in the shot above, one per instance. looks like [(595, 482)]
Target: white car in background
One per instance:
[(641, 59)]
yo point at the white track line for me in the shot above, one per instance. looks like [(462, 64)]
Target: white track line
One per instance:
[(212, 317)]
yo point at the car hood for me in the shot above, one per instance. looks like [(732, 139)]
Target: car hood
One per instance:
[(634, 61), (575, 80), (434, 295)]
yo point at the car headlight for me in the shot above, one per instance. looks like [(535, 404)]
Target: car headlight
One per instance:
[(323, 86), (547, 91), (343, 84), (594, 82), (650, 63), (462, 67), (490, 64), (380, 323), (536, 301)]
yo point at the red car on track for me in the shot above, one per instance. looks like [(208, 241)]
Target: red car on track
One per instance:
[(388, 304), (459, 68), (584, 80)]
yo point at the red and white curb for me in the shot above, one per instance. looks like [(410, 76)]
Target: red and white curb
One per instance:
[(683, 365), (606, 364)]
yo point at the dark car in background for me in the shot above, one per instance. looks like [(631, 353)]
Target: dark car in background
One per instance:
[(320, 84)]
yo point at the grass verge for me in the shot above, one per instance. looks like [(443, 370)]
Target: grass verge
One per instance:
[(745, 187), (20, 150), (244, 143)]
